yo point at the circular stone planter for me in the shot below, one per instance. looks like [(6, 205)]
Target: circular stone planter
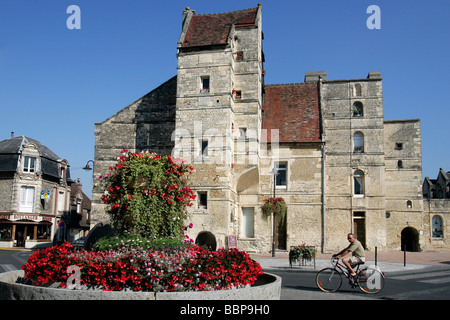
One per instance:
[(267, 287)]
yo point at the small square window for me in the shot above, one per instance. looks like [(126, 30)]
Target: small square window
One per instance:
[(398, 146), (237, 94), (239, 56)]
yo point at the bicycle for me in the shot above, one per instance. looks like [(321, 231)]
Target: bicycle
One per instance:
[(368, 279)]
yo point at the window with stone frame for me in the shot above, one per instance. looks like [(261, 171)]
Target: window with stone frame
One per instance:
[(205, 84), (29, 164), (357, 109), (358, 183), (358, 142), (436, 227), (202, 199), (281, 177)]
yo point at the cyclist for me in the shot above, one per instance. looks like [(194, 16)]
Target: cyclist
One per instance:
[(357, 251)]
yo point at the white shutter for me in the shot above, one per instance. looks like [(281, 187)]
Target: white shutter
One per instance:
[(26, 199)]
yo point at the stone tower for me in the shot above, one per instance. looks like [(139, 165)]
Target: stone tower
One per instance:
[(355, 164), (218, 104)]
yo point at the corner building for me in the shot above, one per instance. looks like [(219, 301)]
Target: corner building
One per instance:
[(340, 167)]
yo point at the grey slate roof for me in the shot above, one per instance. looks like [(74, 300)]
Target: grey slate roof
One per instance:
[(14, 146), (10, 150)]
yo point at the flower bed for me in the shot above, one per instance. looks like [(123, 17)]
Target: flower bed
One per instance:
[(190, 268)]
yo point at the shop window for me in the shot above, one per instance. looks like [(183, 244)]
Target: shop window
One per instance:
[(436, 225), (43, 231), (358, 109), (358, 183), (248, 218), (358, 142), (5, 230), (29, 164)]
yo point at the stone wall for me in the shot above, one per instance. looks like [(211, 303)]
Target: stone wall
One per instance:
[(146, 124)]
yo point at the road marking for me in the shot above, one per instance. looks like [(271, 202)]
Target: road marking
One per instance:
[(7, 267), (420, 276), (437, 281)]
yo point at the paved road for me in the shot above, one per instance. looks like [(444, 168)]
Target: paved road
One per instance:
[(11, 260), (413, 281)]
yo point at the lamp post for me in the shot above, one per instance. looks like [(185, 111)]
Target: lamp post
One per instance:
[(87, 167), (275, 173)]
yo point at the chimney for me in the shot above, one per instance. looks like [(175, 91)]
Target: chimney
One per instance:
[(313, 77), (12, 134)]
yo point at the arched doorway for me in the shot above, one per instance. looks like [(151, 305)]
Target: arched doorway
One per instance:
[(410, 239), (206, 239)]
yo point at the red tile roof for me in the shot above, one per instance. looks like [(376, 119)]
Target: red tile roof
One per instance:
[(294, 110), (213, 29)]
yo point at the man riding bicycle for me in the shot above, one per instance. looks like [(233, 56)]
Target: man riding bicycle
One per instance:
[(357, 251)]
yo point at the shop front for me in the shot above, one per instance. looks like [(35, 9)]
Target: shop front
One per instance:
[(25, 231)]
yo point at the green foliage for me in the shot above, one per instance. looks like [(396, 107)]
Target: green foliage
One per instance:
[(147, 195), (274, 206), (136, 242)]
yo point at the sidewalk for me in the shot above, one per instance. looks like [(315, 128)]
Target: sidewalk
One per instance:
[(388, 261)]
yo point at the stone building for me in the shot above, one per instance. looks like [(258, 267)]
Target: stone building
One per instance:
[(35, 192), (322, 145), (436, 208)]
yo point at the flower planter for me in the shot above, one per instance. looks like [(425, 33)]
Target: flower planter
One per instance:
[(267, 287)]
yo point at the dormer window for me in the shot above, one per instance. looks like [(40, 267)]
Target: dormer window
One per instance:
[(29, 164)]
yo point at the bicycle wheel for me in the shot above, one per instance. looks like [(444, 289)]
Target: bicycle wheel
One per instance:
[(370, 280), (328, 280)]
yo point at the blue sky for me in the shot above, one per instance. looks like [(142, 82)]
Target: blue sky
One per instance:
[(55, 83)]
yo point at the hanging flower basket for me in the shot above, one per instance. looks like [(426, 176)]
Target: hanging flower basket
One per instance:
[(274, 206)]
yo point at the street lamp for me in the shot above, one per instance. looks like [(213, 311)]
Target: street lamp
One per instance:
[(87, 167), (275, 172)]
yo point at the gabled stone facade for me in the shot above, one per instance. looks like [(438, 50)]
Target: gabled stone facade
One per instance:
[(341, 167)]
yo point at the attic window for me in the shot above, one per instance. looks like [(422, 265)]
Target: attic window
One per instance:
[(29, 164)]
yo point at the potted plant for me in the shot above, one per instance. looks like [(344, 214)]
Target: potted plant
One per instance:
[(274, 206)]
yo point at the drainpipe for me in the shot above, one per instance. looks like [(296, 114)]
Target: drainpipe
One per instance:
[(320, 83), (323, 199)]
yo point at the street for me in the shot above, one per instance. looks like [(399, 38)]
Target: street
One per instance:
[(431, 282)]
